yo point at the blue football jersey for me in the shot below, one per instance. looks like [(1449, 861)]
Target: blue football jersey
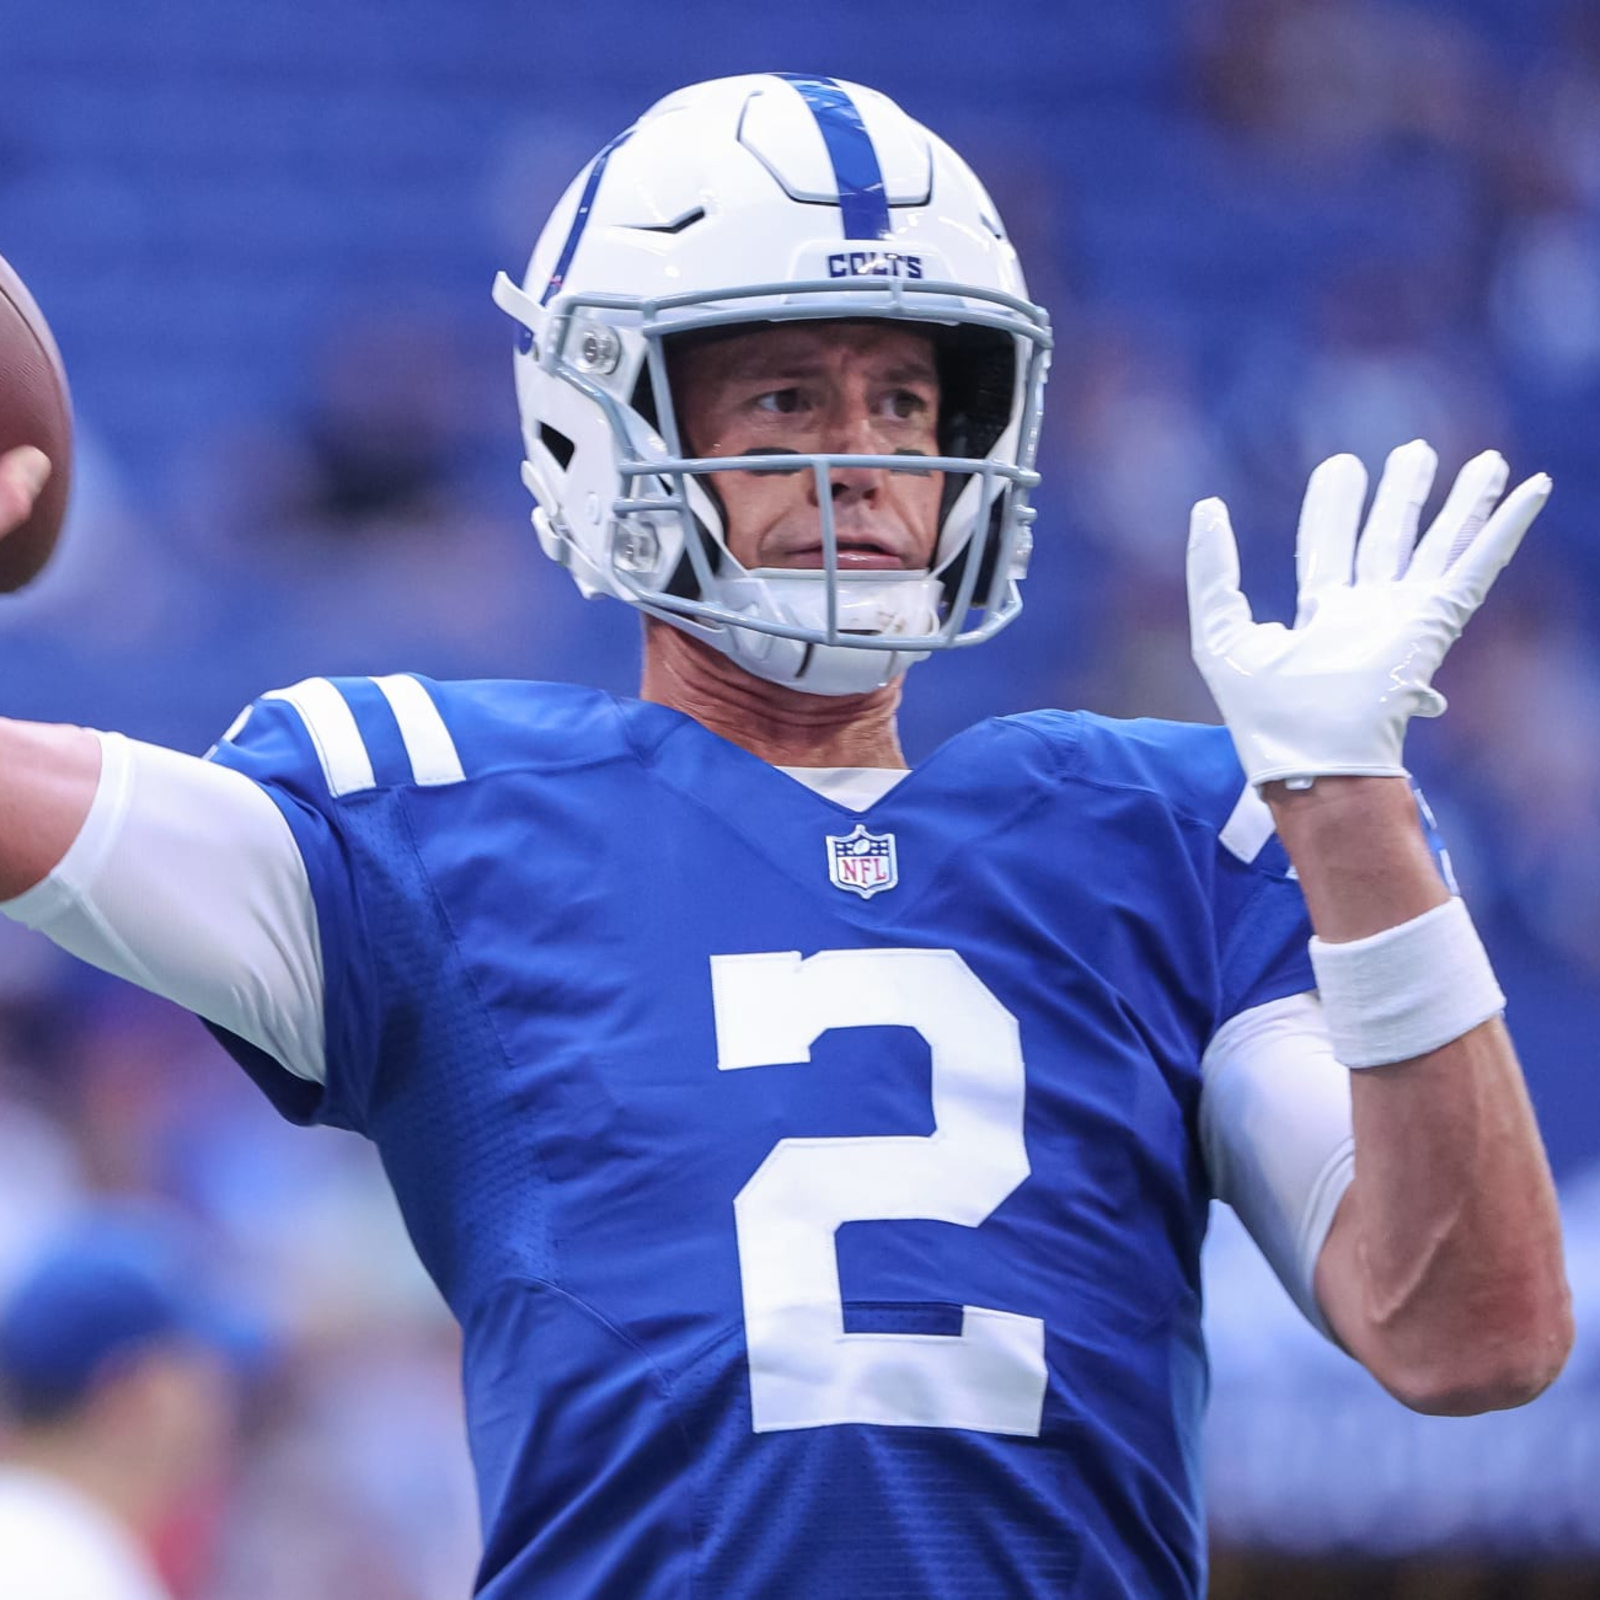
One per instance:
[(818, 1192)]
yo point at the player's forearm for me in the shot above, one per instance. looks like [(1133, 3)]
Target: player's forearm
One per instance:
[(48, 776), (1443, 1272), (1359, 852)]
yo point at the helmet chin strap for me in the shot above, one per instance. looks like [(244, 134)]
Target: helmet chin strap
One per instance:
[(877, 604)]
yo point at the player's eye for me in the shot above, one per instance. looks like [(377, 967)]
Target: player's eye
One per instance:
[(906, 405), (780, 402)]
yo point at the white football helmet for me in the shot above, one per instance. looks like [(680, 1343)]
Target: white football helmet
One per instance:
[(760, 199)]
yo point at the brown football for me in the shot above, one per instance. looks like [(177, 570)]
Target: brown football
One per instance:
[(34, 409)]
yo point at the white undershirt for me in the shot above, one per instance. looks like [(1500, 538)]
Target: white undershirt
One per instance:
[(854, 788), (186, 880)]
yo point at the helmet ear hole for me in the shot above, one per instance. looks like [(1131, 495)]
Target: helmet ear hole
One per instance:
[(558, 444)]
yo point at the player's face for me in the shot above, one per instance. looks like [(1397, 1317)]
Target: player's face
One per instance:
[(858, 388)]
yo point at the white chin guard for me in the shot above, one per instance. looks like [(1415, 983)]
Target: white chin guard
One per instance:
[(870, 605)]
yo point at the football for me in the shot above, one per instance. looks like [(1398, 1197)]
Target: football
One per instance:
[(34, 409)]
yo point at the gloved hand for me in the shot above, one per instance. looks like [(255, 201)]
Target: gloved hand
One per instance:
[(1333, 694)]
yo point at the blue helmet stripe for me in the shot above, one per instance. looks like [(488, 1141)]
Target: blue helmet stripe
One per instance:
[(863, 202), (581, 217)]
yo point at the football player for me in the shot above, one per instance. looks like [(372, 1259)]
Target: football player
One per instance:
[(817, 1153)]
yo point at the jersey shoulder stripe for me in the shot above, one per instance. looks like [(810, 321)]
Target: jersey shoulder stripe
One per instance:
[(334, 733), (1250, 828), (352, 725), (338, 738), (429, 747)]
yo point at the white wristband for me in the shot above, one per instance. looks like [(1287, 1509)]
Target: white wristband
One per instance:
[(1407, 990)]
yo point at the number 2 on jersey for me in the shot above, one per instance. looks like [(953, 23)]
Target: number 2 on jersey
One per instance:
[(805, 1370)]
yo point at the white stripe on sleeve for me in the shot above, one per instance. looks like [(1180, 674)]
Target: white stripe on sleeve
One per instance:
[(1248, 827), (332, 725), (186, 880), (429, 747), (1276, 1127)]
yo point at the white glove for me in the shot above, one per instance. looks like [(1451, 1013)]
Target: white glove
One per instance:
[(1333, 694)]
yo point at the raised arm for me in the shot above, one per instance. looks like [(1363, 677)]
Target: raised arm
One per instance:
[(47, 774), (177, 874), (1443, 1269)]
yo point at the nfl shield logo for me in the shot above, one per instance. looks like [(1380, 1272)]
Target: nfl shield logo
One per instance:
[(862, 862)]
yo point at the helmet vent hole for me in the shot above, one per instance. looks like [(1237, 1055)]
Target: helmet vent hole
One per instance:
[(558, 444)]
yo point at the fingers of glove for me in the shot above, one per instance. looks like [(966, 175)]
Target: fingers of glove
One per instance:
[(1330, 516), (1391, 528), (1466, 509), (1218, 612), (1469, 579)]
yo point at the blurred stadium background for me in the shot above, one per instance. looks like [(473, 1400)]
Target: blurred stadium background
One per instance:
[(1268, 230)]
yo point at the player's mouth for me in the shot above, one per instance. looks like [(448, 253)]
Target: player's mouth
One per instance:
[(864, 555), (853, 555)]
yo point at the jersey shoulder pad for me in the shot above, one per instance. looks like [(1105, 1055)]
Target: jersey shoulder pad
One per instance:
[(1191, 768), (332, 738), (500, 724)]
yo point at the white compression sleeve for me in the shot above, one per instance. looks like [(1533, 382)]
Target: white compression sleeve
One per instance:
[(1276, 1128), (186, 880)]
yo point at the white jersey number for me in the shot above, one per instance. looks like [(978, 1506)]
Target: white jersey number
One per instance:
[(805, 1370)]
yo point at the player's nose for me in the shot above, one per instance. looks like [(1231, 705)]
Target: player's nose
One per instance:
[(852, 430)]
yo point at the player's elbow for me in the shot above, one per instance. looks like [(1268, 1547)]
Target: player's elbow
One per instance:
[(1460, 1393), (1496, 1369)]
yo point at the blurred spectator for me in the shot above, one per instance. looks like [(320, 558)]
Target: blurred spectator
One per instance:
[(119, 1411), (1331, 82)]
